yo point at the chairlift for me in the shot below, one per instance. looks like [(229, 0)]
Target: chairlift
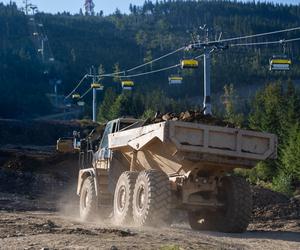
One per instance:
[(189, 64), (175, 80), (97, 86), (127, 84), (280, 63), (81, 103), (76, 96)]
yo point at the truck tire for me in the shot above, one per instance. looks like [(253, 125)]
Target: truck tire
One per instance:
[(123, 198), (151, 199), (234, 216), (88, 200), (236, 194)]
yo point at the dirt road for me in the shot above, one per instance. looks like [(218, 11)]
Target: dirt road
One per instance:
[(52, 230)]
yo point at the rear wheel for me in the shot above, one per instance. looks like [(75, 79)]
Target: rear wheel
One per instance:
[(151, 198), (88, 200), (123, 197), (234, 216)]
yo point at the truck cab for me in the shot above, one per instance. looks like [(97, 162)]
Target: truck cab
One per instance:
[(103, 153), (95, 156)]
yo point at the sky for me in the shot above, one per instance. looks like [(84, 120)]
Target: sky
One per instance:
[(108, 6)]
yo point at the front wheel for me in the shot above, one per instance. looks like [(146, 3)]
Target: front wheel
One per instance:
[(123, 197), (151, 198), (88, 200)]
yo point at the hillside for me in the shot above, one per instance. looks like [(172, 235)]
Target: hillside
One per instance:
[(149, 31)]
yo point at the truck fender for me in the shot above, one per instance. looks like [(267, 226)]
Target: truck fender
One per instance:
[(83, 174)]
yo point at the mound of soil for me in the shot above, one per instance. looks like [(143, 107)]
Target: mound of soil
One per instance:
[(31, 132), (270, 205), (35, 171), (194, 116)]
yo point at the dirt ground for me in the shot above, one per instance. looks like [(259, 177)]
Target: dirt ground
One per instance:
[(39, 210), (56, 230)]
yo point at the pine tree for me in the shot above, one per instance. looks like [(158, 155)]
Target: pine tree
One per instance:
[(268, 111), (230, 101), (120, 107), (101, 71), (117, 73), (291, 154), (105, 108)]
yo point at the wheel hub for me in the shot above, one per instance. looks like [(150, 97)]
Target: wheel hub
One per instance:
[(141, 198), (86, 199), (121, 198)]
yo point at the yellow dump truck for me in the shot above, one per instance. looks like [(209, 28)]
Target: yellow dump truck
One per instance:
[(141, 174)]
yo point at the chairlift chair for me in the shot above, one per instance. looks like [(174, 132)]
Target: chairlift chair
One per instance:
[(175, 80), (76, 96), (97, 86), (127, 84), (280, 62), (189, 64), (81, 103)]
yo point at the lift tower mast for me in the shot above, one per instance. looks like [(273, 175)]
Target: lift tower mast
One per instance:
[(208, 48), (89, 7)]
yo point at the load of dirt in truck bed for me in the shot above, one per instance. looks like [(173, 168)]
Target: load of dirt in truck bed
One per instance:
[(194, 116)]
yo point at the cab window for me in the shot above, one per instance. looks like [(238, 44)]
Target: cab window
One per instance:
[(111, 127)]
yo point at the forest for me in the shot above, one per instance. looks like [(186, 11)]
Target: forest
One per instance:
[(245, 92)]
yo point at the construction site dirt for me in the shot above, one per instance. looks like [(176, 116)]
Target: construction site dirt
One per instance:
[(39, 210)]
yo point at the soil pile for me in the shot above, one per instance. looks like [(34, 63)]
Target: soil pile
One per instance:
[(270, 205), (40, 133), (37, 172)]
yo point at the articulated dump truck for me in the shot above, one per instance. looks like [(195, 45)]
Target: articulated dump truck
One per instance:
[(141, 175)]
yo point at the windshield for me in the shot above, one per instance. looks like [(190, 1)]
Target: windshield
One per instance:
[(108, 130)]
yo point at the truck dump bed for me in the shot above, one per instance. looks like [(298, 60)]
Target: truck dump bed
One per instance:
[(197, 141)]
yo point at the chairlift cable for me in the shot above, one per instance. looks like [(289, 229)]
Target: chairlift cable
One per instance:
[(182, 48), (249, 36), (88, 91), (78, 85), (152, 72), (155, 60), (282, 41)]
